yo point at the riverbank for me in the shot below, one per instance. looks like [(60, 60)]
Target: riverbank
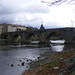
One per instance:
[(52, 63)]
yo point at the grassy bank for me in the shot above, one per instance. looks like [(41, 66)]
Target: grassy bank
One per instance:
[(51, 64), (35, 39), (56, 38)]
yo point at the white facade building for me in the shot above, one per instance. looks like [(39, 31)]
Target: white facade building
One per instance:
[(11, 28)]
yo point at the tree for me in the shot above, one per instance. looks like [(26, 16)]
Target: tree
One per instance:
[(58, 2)]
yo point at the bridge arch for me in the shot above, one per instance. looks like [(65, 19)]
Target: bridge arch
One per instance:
[(16, 38), (54, 34), (32, 36)]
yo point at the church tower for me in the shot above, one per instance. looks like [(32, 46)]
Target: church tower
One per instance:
[(42, 27)]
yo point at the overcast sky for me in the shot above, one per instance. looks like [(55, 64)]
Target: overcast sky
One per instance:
[(33, 12)]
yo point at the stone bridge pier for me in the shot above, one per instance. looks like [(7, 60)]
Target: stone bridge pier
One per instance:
[(69, 35), (14, 37)]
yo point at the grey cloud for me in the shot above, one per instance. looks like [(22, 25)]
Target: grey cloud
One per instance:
[(17, 6), (10, 8), (52, 25), (35, 22), (37, 8), (7, 18), (4, 10)]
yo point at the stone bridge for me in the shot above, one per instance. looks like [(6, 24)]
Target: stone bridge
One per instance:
[(44, 35)]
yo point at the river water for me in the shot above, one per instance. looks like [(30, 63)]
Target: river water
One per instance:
[(14, 59)]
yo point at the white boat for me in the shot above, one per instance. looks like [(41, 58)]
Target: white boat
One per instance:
[(57, 41)]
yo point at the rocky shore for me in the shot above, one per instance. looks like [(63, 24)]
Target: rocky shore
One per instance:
[(53, 63), (69, 68)]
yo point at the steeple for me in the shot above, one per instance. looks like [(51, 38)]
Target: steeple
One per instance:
[(42, 27)]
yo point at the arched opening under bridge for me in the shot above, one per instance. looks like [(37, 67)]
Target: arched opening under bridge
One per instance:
[(54, 36)]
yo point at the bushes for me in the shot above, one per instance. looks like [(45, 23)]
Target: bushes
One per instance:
[(56, 38)]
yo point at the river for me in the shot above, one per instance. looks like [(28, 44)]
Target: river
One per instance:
[(14, 59)]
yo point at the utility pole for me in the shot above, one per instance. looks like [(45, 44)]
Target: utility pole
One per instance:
[(72, 23)]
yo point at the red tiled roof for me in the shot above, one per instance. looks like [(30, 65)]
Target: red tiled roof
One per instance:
[(15, 25)]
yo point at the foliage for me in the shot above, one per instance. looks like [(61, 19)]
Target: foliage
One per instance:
[(64, 55), (46, 67), (56, 38), (35, 39), (58, 2)]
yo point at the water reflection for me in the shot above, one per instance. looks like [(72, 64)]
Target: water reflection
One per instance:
[(35, 42), (15, 58), (57, 45), (57, 48), (57, 41)]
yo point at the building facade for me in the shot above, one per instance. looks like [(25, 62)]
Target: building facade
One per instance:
[(11, 28)]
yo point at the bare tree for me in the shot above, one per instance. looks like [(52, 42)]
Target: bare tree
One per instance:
[(58, 2)]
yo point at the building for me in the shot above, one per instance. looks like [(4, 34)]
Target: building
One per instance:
[(31, 28), (11, 28), (42, 27), (4, 28)]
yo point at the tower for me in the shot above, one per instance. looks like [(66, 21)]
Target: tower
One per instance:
[(42, 27)]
